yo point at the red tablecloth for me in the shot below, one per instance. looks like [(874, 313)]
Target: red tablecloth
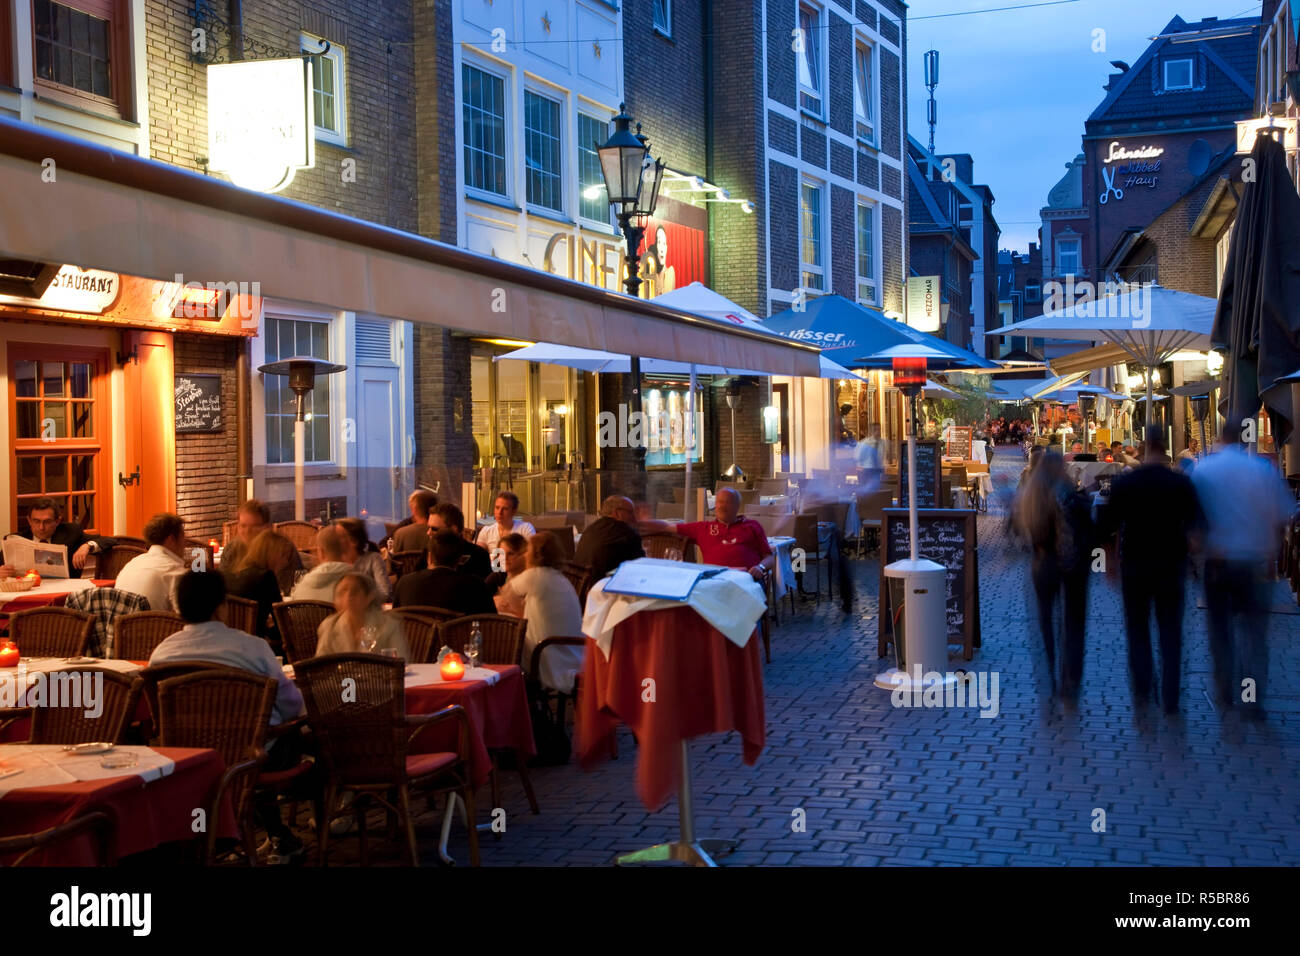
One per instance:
[(703, 683), (498, 717), (147, 814)]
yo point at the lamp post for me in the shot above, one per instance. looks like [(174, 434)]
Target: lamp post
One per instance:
[(302, 374), (632, 180)]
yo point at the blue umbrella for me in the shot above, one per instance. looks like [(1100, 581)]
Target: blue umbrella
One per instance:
[(847, 332)]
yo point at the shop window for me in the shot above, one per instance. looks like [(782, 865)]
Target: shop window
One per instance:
[(812, 271), (808, 52), (81, 52), (542, 151), (58, 433), (287, 338), (593, 201), (670, 438), (329, 100), (484, 118)]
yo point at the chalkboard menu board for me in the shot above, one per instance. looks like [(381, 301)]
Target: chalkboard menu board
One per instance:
[(945, 536), (958, 439), (929, 470), (198, 403)]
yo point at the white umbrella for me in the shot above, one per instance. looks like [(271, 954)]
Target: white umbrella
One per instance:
[(1149, 322), (935, 390), (700, 299)]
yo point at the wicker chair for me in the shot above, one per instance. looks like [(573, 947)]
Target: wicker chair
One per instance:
[(546, 693), (427, 611), (226, 710), (29, 846), (298, 623), (658, 545), (301, 533), (419, 633), (110, 565), (137, 635), (239, 613), (405, 562), (151, 677), (503, 636), (365, 741), (579, 576), (70, 724), (229, 531), (51, 632), (106, 606)]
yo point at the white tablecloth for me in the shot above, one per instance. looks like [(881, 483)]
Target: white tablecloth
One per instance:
[(422, 675), (46, 765), (15, 682), (50, 586), (783, 575), (732, 602)]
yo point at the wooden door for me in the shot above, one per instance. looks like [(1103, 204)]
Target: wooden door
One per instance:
[(150, 464)]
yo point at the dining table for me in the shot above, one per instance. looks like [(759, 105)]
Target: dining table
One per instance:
[(51, 592), (152, 802)]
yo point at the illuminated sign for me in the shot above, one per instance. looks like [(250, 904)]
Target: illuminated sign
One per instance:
[(77, 290), (1248, 129), (1118, 153), (923, 303), (261, 127)]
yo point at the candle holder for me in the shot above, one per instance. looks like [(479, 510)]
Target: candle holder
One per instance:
[(452, 668), (9, 654)]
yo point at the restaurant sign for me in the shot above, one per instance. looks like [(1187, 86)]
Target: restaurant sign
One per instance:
[(261, 127), (76, 290), (923, 303)]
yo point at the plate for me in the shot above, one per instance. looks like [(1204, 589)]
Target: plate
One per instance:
[(88, 748), (81, 660)]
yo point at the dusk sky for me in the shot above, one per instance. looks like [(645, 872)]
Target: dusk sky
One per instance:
[(1016, 86)]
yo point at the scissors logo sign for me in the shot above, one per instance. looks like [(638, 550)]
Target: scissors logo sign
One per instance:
[(1108, 177)]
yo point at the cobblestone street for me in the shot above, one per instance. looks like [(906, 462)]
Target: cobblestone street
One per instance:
[(881, 785)]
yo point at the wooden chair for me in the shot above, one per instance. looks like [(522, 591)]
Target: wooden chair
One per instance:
[(138, 635), (546, 694), (579, 575), (406, 562), (503, 636), (130, 542), (658, 545), (298, 623), (301, 533), (70, 724), (51, 632), (419, 633), (428, 612), (365, 740), (30, 846), (110, 565), (239, 613), (225, 710), (871, 512)]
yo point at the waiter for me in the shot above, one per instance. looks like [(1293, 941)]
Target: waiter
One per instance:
[(46, 528)]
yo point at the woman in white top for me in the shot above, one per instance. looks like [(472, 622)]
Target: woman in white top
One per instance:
[(359, 615), (551, 608), (356, 552)]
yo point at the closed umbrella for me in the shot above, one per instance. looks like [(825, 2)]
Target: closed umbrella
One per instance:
[(1258, 319)]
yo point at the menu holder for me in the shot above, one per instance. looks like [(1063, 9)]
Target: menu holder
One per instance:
[(929, 474), (658, 578)]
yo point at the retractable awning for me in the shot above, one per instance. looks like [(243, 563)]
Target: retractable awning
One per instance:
[(112, 211), (1087, 360)]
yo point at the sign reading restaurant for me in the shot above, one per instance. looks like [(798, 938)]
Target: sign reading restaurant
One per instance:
[(261, 126)]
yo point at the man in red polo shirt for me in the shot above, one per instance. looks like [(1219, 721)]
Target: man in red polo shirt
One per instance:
[(730, 540)]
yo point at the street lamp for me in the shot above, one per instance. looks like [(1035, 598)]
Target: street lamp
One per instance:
[(302, 372), (632, 180)]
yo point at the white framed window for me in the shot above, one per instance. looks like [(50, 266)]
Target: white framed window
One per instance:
[(284, 338), (866, 230), (1178, 74), (329, 99), (483, 115), (812, 271), (1067, 257), (664, 17), (544, 185), (1033, 293), (809, 54), (864, 91), (593, 201)]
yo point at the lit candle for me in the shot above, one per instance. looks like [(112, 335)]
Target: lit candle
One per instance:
[(9, 654), (34, 577), (453, 668)]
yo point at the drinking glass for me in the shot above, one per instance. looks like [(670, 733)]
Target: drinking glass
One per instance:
[(673, 554), (471, 655), (369, 638)]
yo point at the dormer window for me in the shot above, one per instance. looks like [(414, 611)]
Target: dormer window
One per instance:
[(1178, 74)]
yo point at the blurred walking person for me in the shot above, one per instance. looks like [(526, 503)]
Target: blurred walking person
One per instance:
[(1246, 504), (1156, 513), (1053, 518)]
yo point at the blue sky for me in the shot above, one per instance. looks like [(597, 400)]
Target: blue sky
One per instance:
[(1016, 86)]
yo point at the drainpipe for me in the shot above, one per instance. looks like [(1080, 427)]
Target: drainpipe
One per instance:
[(707, 12), (244, 464)]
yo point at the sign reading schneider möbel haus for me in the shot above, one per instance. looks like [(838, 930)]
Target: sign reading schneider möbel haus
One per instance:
[(1127, 169)]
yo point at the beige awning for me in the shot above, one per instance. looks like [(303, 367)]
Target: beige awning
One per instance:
[(1085, 360), (108, 210)]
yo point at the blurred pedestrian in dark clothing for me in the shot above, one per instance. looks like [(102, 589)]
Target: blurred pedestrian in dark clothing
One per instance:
[(1246, 503), (1156, 513)]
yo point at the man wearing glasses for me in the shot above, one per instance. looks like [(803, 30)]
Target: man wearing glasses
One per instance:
[(46, 528)]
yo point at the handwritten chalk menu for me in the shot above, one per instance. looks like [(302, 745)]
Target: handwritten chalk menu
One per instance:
[(929, 470), (958, 439), (198, 403), (945, 536)]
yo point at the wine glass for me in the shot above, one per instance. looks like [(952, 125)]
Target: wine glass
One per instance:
[(471, 655), (369, 638)]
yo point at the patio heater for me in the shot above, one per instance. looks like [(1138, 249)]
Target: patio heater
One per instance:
[(921, 583), (632, 180), (735, 472), (302, 372)]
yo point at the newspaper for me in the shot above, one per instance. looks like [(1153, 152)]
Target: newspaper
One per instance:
[(23, 554)]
